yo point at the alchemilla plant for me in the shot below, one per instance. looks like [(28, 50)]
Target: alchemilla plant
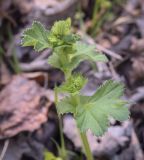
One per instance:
[(90, 112)]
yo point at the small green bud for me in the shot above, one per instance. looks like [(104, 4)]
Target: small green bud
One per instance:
[(61, 28), (73, 84)]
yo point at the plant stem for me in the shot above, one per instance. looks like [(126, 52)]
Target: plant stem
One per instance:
[(85, 140), (64, 154), (86, 146), (63, 149)]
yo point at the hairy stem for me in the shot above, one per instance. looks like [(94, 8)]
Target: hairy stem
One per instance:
[(63, 149), (86, 146)]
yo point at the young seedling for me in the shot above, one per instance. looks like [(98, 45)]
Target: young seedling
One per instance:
[(90, 112)]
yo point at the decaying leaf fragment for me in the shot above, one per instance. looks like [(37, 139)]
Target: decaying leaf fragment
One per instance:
[(23, 107)]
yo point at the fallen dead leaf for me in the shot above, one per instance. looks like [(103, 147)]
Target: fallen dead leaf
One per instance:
[(24, 106), (137, 45), (5, 75), (39, 77), (138, 68)]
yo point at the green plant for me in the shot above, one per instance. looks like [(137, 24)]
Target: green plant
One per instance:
[(90, 112)]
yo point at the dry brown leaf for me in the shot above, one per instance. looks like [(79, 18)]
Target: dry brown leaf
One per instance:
[(39, 77), (5, 75), (23, 107), (138, 68), (137, 45)]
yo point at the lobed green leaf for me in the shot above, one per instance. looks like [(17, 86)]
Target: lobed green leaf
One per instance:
[(67, 105), (70, 56), (36, 36), (94, 112), (61, 28)]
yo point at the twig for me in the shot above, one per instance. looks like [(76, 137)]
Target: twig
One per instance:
[(139, 95), (41, 65), (108, 52), (6, 143), (43, 55), (113, 72)]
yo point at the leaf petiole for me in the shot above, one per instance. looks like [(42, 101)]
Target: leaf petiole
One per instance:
[(86, 146)]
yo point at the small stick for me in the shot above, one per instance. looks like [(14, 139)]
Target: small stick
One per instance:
[(108, 52), (6, 143), (39, 65)]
